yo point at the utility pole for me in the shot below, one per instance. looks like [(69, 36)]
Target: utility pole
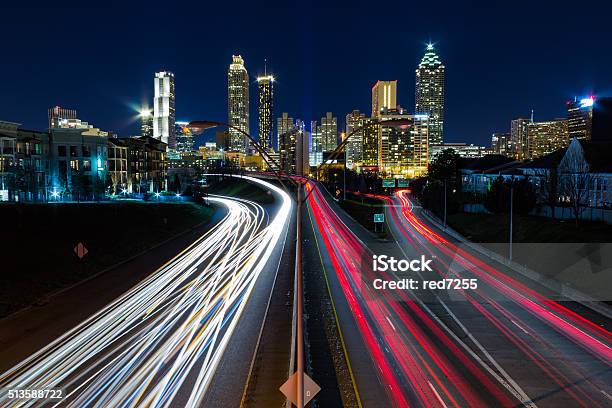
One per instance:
[(444, 204)]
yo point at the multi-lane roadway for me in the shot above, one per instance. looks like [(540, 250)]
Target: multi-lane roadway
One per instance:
[(501, 344), (161, 343)]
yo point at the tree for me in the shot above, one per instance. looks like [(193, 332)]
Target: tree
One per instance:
[(549, 188), (523, 194), (575, 179)]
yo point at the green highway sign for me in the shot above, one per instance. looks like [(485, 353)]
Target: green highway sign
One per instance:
[(379, 217), (389, 182), (403, 182)]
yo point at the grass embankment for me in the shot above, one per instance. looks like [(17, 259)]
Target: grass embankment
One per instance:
[(38, 240), (362, 209), (495, 228)]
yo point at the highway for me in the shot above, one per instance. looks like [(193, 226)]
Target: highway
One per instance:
[(502, 344), (161, 343)]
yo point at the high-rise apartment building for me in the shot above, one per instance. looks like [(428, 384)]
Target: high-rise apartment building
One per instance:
[(384, 96), (238, 103), (329, 132), (430, 93), (287, 144), (164, 112), (57, 115), (354, 131), (266, 114), (518, 138), (580, 117), (546, 137)]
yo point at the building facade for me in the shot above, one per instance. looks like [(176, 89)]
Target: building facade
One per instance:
[(429, 99), (164, 111), (501, 144), (371, 131), (546, 137), (354, 131), (146, 122), (57, 115), (266, 110), (238, 103), (384, 96), (518, 138), (465, 150), (580, 118), (329, 132), (184, 137), (403, 150)]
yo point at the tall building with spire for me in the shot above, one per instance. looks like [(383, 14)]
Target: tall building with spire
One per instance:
[(238, 103), (266, 106), (164, 113), (430, 93)]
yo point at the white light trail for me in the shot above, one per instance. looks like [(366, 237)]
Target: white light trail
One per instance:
[(168, 333)]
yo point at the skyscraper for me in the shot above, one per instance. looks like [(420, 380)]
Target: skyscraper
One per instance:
[(184, 137), (354, 146), (403, 150), (266, 99), (546, 137), (284, 124), (371, 130), (580, 117), (316, 144), (518, 138), (384, 96), (430, 93), (146, 122), (329, 132), (238, 103), (164, 112)]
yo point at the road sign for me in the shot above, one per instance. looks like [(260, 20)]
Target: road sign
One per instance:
[(80, 250), (289, 389), (403, 183), (389, 182), (379, 217)]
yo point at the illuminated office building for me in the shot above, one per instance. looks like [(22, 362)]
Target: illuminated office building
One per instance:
[(580, 117), (184, 138), (146, 122), (238, 103), (164, 112), (316, 144), (371, 130), (284, 123), (403, 150), (430, 93), (518, 138), (546, 137), (501, 144), (384, 96), (329, 132), (266, 99), (354, 146)]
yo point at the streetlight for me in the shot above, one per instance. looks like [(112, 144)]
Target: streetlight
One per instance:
[(199, 126)]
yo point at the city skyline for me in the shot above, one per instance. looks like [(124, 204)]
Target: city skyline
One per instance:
[(306, 89)]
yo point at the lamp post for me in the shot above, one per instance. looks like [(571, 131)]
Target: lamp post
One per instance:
[(200, 126), (511, 210)]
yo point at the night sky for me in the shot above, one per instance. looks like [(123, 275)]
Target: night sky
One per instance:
[(501, 61)]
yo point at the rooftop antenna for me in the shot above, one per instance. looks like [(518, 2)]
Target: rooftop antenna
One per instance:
[(532, 116), (265, 67)]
